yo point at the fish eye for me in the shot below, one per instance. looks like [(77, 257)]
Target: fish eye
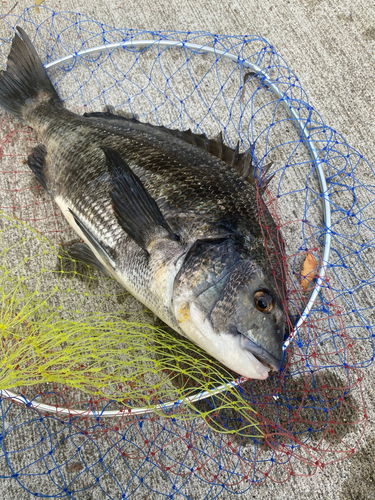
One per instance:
[(263, 301)]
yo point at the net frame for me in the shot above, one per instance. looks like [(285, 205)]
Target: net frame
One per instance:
[(315, 464), (300, 124)]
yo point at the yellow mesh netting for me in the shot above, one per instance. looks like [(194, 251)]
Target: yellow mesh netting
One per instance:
[(49, 334)]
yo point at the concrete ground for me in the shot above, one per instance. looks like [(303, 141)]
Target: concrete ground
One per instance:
[(330, 45)]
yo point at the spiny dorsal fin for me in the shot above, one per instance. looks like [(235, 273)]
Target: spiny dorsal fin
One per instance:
[(235, 155), (110, 116), (243, 162), (136, 211), (219, 141)]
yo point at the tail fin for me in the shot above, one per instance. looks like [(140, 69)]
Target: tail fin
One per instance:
[(24, 77)]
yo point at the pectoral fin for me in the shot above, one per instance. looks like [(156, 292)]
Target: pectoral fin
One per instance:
[(136, 211)]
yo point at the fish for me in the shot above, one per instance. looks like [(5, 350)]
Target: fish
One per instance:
[(170, 214)]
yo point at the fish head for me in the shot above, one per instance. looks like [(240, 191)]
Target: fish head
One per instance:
[(232, 310)]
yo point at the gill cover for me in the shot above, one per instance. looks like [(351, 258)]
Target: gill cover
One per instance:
[(232, 293)]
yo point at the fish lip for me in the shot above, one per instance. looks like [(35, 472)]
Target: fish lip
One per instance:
[(261, 354)]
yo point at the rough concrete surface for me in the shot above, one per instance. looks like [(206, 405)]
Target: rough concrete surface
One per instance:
[(330, 46)]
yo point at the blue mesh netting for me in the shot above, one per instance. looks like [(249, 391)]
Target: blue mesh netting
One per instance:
[(312, 413)]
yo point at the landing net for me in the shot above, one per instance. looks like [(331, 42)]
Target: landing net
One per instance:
[(73, 341)]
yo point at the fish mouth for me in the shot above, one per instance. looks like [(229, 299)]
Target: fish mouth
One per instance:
[(261, 354)]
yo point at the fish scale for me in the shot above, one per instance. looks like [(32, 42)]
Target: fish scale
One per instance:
[(171, 215)]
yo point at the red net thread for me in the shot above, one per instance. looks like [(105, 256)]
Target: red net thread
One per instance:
[(311, 414), (294, 425)]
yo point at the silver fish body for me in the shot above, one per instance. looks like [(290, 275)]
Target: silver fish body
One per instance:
[(170, 215)]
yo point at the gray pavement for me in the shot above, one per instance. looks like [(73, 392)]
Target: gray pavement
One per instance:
[(330, 46)]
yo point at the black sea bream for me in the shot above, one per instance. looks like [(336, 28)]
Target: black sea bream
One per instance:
[(170, 215)]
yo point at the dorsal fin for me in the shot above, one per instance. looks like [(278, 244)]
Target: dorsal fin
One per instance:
[(219, 141), (243, 162)]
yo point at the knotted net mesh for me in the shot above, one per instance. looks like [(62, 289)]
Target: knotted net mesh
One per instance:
[(80, 357)]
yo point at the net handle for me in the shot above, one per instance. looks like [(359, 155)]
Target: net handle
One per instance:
[(301, 125)]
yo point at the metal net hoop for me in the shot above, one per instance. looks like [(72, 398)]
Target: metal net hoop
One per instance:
[(307, 412), (302, 126)]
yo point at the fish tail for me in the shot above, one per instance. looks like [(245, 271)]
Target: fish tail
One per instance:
[(25, 81)]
